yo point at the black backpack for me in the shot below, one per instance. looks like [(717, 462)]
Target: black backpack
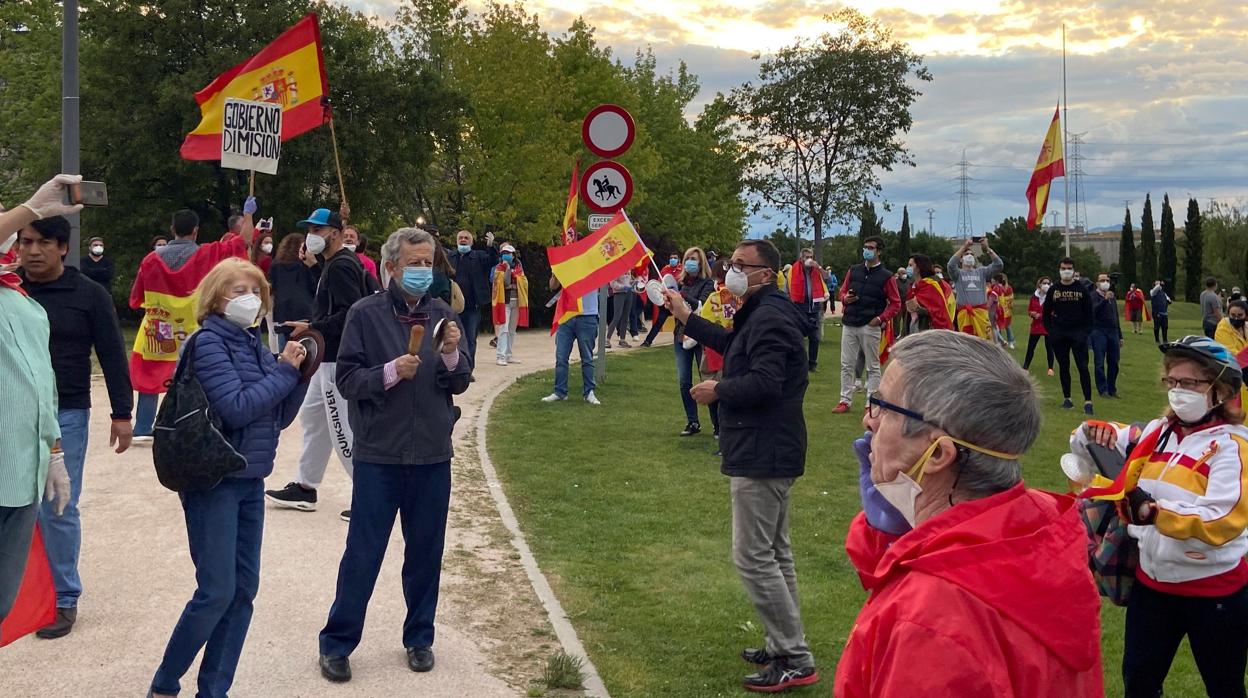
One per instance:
[(189, 450)]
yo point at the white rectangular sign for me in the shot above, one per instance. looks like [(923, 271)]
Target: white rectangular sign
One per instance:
[(251, 136), (597, 220)]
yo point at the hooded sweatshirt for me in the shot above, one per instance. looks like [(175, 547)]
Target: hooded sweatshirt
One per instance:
[(992, 597)]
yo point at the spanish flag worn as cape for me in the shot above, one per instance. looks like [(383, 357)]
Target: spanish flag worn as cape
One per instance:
[(797, 285), (973, 319), (168, 299), (290, 72), (498, 299), (35, 605), (937, 299)]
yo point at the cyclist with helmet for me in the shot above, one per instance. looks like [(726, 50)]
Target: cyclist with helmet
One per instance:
[(1185, 477)]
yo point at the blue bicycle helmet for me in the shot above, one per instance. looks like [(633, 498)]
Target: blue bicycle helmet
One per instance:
[(1210, 353)]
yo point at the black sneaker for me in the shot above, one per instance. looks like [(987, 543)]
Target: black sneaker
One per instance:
[(1087, 408), (779, 676), (691, 428), (756, 655), (1067, 404), (293, 496)]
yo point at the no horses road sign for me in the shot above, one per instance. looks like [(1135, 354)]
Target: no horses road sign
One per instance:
[(606, 186)]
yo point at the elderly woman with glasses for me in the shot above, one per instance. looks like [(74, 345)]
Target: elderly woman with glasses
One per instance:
[(979, 586)]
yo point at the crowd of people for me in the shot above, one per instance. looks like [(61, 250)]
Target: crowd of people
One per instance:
[(964, 563)]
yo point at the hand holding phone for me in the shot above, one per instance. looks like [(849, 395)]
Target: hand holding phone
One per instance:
[(87, 194)]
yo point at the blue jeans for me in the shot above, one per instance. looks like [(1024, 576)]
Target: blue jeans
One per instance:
[(17, 526), (634, 320), (420, 495), (62, 535), (225, 527), (583, 329), (1105, 351), (471, 319), (686, 359), (145, 414)]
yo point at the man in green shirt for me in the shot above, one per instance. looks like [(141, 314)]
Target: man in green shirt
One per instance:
[(31, 464)]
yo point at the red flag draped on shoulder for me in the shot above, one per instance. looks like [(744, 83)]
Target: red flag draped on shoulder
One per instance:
[(1049, 166), (568, 306), (290, 72), (597, 259), (35, 605)]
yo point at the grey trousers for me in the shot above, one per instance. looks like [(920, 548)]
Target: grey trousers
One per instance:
[(764, 558), (855, 340), (17, 525)]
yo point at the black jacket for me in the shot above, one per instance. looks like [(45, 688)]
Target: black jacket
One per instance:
[(409, 424), (1068, 309), (762, 430), (472, 273), (342, 284), (294, 291), (81, 315), (100, 272)]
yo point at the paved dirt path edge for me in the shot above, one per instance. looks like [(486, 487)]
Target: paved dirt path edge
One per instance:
[(554, 610)]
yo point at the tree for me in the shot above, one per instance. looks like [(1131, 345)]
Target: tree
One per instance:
[(869, 223), (940, 249), (1195, 251), (1168, 260), (1126, 253), (1148, 252), (903, 236), (826, 116), (790, 246), (1028, 254)]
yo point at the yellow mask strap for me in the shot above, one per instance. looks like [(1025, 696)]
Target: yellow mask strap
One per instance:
[(916, 473)]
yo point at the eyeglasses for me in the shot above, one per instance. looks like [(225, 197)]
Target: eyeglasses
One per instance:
[(1184, 383), (740, 267), (876, 406)]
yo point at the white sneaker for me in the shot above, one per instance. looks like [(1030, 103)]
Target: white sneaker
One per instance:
[(513, 360), (554, 397), (142, 440), (502, 362), (592, 399), (1011, 345)]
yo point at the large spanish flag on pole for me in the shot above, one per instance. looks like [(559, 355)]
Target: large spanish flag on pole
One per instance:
[(568, 306), (595, 260), (290, 72), (1049, 166)]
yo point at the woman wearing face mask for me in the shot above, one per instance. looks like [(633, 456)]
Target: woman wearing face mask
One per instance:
[(929, 300), (510, 302), (294, 286), (256, 396), (1035, 310), (356, 243), (1187, 508), (695, 285), (262, 253), (1135, 308), (1232, 333)]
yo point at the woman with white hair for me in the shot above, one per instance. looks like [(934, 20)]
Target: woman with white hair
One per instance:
[(979, 586)]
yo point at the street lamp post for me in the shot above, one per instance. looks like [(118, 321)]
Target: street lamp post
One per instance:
[(70, 162)]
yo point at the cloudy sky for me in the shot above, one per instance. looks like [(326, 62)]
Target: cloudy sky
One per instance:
[(1158, 88)]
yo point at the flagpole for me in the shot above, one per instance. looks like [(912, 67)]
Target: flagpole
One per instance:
[(1065, 146), (633, 228), (342, 189)]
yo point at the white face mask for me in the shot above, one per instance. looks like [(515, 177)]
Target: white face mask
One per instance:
[(1104, 285), (968, 260), (939, 275), (1188, 405), (1066, 274), (315, 243), (737, 282), (97, 250), (902, 493), (810, 262), (350, 247), (1044, 289), (244, 310), (6, 244), (267, 248)]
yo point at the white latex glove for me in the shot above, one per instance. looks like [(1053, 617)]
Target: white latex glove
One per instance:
[(690, 343), (50, 199), (7, 244), (489, 238), (57, 489)]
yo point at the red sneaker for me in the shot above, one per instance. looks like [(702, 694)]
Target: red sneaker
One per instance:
[(841, 408)]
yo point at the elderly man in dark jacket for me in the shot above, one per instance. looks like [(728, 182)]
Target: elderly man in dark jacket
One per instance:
[(473, 263), (399, 364), (762, 435)]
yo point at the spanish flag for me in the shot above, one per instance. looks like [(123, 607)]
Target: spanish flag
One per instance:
[(498, 296), (1129, 477), (595, 260), (568, 306), (290, 72), (35, 605), (937, 298), (1049, 166)]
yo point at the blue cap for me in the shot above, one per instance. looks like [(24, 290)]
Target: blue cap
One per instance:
[(322, 216)]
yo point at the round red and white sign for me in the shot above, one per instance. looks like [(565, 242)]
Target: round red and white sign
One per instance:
[(606, 186), (608, 130)]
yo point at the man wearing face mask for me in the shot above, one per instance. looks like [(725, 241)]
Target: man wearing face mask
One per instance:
[(1068, 322), (96, 266), (81, 316), (809, 291), (473, 263), (324, 415), (1106, 337), (977, 585), (763, 440), (870, 297), (1182, 492), (391, 381), (970, 285)]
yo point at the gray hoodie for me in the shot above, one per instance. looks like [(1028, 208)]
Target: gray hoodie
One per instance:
[(971, 285)]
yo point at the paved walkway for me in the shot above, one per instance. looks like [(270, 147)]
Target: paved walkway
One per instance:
[(493, 633)]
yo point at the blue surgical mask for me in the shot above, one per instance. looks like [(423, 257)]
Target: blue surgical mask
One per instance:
[(691, 266), (910, 272), (417, 280), (464, 249), (507, 257), (868, 254), (672, 261)]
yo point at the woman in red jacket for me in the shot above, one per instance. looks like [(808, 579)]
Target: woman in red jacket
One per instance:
[(1035, 309), (1135, 308), (978, 586)]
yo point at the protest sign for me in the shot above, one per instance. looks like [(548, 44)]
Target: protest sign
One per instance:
[(251, 136)]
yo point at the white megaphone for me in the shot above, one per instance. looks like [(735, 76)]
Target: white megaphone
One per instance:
[(1077, 469)]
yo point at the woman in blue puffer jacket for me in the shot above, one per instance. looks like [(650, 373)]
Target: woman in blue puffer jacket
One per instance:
[(256, 396)]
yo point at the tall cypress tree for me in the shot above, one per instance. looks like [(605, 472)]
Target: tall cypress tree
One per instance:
[(869, 221), (1195, 251), (1126, 254), (1168, 260), (1147, 253), (903, 237)]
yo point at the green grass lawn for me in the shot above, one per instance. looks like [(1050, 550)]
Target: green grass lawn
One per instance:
[(631, 521)]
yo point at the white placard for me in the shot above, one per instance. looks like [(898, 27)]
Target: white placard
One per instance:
[(251, 136)]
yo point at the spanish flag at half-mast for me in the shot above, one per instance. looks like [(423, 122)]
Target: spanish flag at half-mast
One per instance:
[(596, 259), (290, 72), (1049, 166)]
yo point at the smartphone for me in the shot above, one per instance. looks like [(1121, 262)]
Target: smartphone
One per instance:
[(977, 246), (87, 194)]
